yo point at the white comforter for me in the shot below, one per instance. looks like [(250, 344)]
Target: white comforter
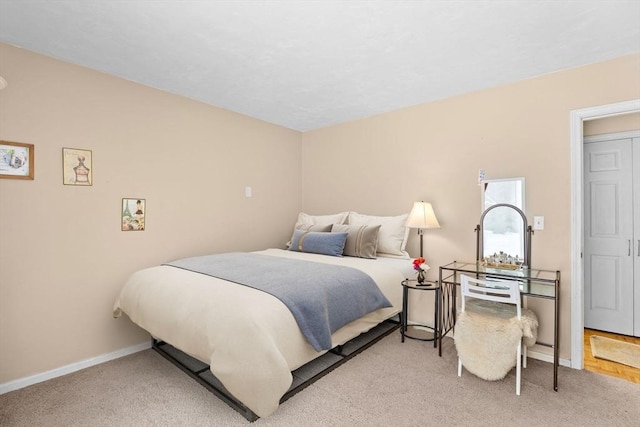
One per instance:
[(249, 338)]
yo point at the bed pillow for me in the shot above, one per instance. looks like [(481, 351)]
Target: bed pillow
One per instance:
[(362, 241), (310, 227), (305, 221), (304, 218), (318, 242), (393, 234)]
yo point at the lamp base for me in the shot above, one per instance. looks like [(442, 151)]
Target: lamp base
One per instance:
[(424, 285)]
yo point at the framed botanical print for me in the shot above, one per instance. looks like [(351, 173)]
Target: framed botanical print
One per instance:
[(16, 160), (77, 166)]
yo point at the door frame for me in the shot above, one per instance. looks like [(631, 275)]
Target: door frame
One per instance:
[(577, 118)]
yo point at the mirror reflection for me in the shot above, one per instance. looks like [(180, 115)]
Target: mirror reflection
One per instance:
[(508, 190), (503, 235)]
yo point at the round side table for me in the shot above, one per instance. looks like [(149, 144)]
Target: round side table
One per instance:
[(420, 332)]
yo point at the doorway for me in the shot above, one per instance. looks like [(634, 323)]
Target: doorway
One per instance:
[(577, 117), (612, 232), (606, 367)]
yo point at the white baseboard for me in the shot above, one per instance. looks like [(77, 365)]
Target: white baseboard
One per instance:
[(547, 358), (64, 370)]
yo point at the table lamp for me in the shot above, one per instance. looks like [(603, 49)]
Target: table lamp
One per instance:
[(421, 217)]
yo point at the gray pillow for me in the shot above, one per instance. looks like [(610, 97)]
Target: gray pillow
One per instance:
[(315, 227), (362, 240), (310, 227)]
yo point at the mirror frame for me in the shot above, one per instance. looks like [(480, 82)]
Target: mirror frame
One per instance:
[(527, 234)]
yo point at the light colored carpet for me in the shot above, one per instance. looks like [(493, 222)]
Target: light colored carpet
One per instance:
[(391, 383), (616, 351)]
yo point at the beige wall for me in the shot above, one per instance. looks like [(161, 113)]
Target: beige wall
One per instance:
[(623, 123), (63, 257), (432, 152)]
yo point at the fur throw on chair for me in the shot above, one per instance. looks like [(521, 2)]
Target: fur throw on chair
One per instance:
[(487, 334)]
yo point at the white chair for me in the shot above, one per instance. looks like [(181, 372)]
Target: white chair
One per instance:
[(490, 328)]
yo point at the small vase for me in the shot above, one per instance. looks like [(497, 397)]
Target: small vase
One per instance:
[(420, 276)]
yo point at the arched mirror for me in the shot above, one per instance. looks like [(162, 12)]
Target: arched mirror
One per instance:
[(504, 237)]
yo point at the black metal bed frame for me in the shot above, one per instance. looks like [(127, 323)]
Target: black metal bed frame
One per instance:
[(302, 377)]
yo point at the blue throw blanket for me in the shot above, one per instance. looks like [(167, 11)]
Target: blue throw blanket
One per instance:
[(321, 297)]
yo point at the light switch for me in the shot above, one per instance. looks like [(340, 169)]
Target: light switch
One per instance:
[(247, 191), (481, 176), (538, 223)]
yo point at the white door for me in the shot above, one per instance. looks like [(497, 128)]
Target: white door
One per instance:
[(609, 236), (636, 235)]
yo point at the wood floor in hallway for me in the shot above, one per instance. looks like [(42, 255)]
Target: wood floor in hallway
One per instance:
[(606, 367)]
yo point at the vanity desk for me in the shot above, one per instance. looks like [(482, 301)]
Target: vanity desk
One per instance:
[(533, 283)]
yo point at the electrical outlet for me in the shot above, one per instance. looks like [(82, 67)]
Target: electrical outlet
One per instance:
[(247, 191), (538, 223)]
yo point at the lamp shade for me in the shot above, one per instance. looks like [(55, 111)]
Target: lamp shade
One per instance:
[(422, 216)]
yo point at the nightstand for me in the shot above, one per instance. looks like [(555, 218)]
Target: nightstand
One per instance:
[(420, 332)]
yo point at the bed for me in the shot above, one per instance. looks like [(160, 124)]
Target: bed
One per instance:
[(249, 339)]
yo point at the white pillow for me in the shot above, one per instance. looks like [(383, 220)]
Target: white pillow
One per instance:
[(304, 219), (393, 235)]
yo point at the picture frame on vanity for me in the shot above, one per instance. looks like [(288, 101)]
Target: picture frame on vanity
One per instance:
[(133, 214), (16, 160), (77, 167)]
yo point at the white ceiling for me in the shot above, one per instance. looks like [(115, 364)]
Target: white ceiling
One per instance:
[(309, 64)]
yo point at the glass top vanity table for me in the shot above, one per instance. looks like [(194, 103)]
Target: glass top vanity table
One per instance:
[(534, 283)]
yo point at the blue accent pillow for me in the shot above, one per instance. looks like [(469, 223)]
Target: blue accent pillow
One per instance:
[(318, 243)]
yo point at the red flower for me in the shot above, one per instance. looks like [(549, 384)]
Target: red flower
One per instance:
[(418, 262)]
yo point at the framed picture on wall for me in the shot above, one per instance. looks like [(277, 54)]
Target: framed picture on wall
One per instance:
[(133, 214), (16, 160), (77, 167)]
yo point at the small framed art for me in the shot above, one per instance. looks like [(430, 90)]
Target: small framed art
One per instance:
[(16, 160), (77, 167), (133, 214)]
